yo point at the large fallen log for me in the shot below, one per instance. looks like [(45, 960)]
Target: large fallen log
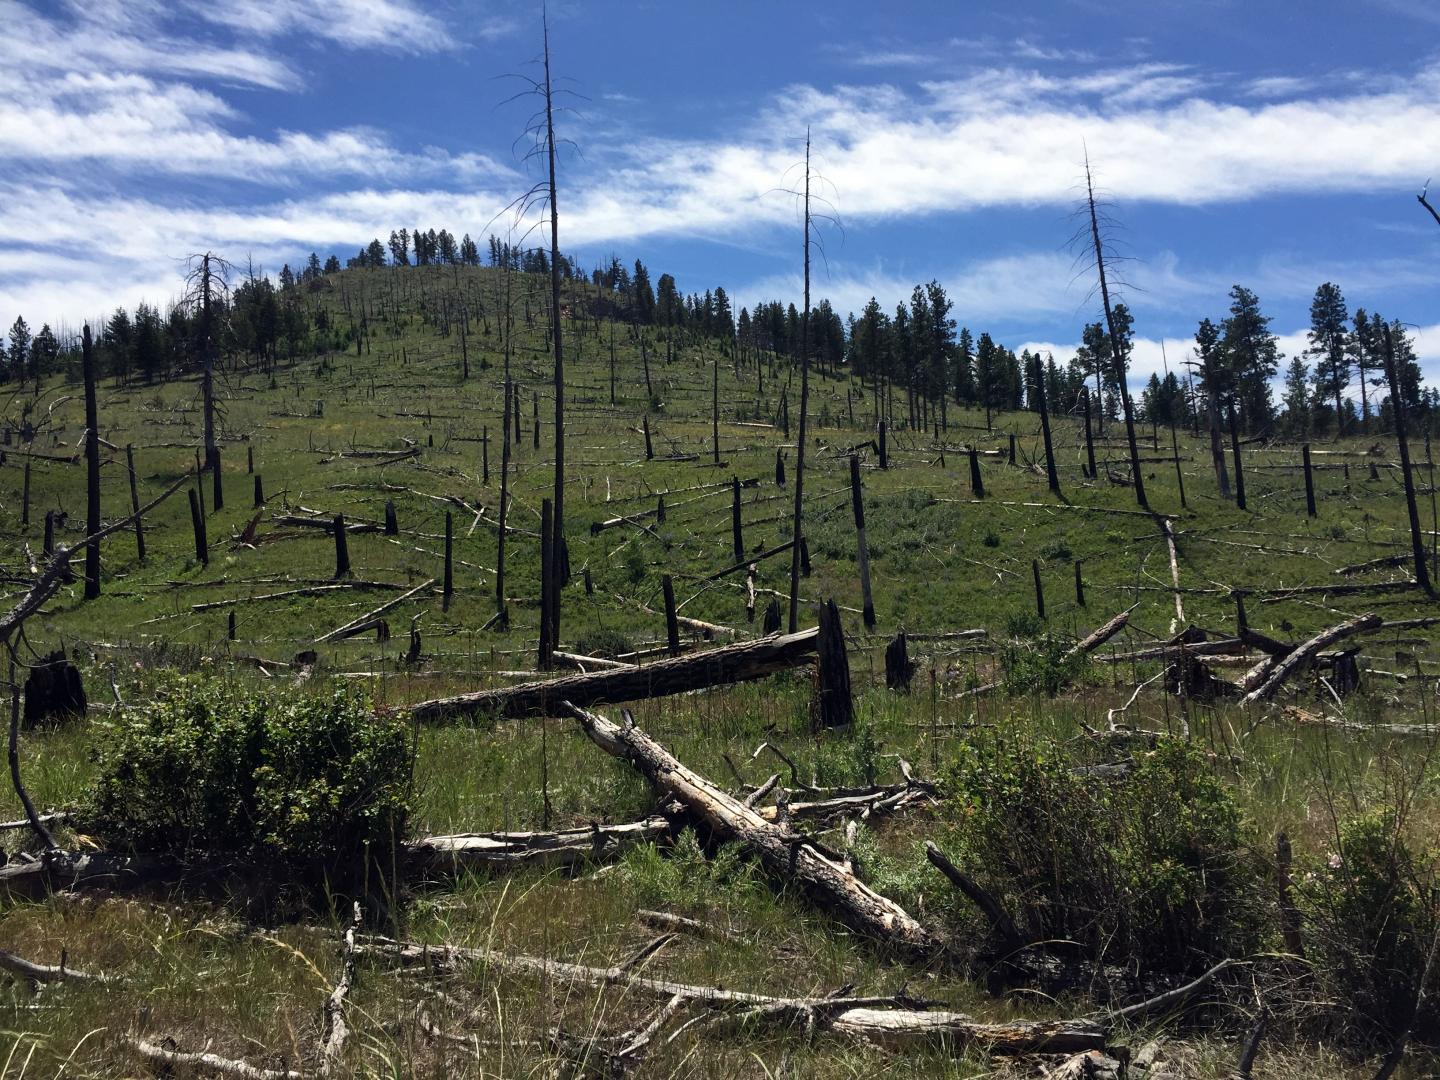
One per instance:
[(893, 1022), (1304, 655), (783, 853), (728, 664)]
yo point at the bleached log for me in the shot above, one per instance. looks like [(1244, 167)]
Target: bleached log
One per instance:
[(782, 852)]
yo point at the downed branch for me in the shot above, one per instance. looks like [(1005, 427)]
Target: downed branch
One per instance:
[(354, 625), (783, 853), (728, 664), (892, 1021), (44, 973), (335, 1029)]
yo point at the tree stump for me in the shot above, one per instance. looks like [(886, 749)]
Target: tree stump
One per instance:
[(899, 668), (53, 690)]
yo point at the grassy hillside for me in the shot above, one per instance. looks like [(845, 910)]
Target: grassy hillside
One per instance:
[(326, 434)]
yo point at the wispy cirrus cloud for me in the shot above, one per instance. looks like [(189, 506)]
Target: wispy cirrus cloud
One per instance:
[(392, 25)]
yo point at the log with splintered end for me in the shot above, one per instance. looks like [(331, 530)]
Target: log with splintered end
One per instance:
[(1304, 655), (716, 667), (784, 854)]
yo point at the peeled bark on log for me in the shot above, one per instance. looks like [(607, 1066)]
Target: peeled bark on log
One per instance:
[(1304, 655), (782, 852), (892, 1022), (728, 664)]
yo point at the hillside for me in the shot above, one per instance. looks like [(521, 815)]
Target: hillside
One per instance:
[(408, 414)]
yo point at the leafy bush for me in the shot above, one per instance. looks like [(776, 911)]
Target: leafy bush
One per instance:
[(211, 767), (850, 758), (1371, 911), (1147, 869)]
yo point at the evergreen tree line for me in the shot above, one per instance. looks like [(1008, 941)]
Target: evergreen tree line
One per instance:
[(1236, 360), (919, 350)]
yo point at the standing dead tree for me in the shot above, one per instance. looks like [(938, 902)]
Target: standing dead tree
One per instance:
[(1118, 347), (92, 468), (207, 287), (794, 622), (1397, 407), (543, 197)]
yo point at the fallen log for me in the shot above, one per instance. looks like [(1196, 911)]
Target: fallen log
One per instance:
[(563, 849), (45, 973), (354, 625), (208, 1061), (894, 1022), (783, 853), (1304, 655), (729, 664)]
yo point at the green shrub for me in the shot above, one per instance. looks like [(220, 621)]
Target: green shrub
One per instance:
[(1147, 869), (685, 876), (210, 767), (1370, 911), (602, 641), (1042, 665)]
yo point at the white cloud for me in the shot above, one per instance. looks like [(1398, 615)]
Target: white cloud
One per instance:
[(131, 121), (399, 25), (125, 37)]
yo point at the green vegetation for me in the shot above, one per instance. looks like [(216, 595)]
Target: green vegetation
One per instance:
[(209, 767)]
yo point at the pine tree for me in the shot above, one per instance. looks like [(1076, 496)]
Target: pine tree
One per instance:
[(1329, 341), (44, 353), (1297, 398), (1250, 350), (965, 367), (19, 347)]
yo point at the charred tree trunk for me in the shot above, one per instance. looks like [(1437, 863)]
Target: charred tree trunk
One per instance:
[(92, 469)]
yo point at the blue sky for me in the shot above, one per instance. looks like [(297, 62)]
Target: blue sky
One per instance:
[(1277, 145)]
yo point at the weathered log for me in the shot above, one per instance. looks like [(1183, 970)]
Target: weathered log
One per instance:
[(354, 625), (782, 852), (729, 664), (566, 848), (893, 1022), (45, 973), (1304, 655), (208, 1061)]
